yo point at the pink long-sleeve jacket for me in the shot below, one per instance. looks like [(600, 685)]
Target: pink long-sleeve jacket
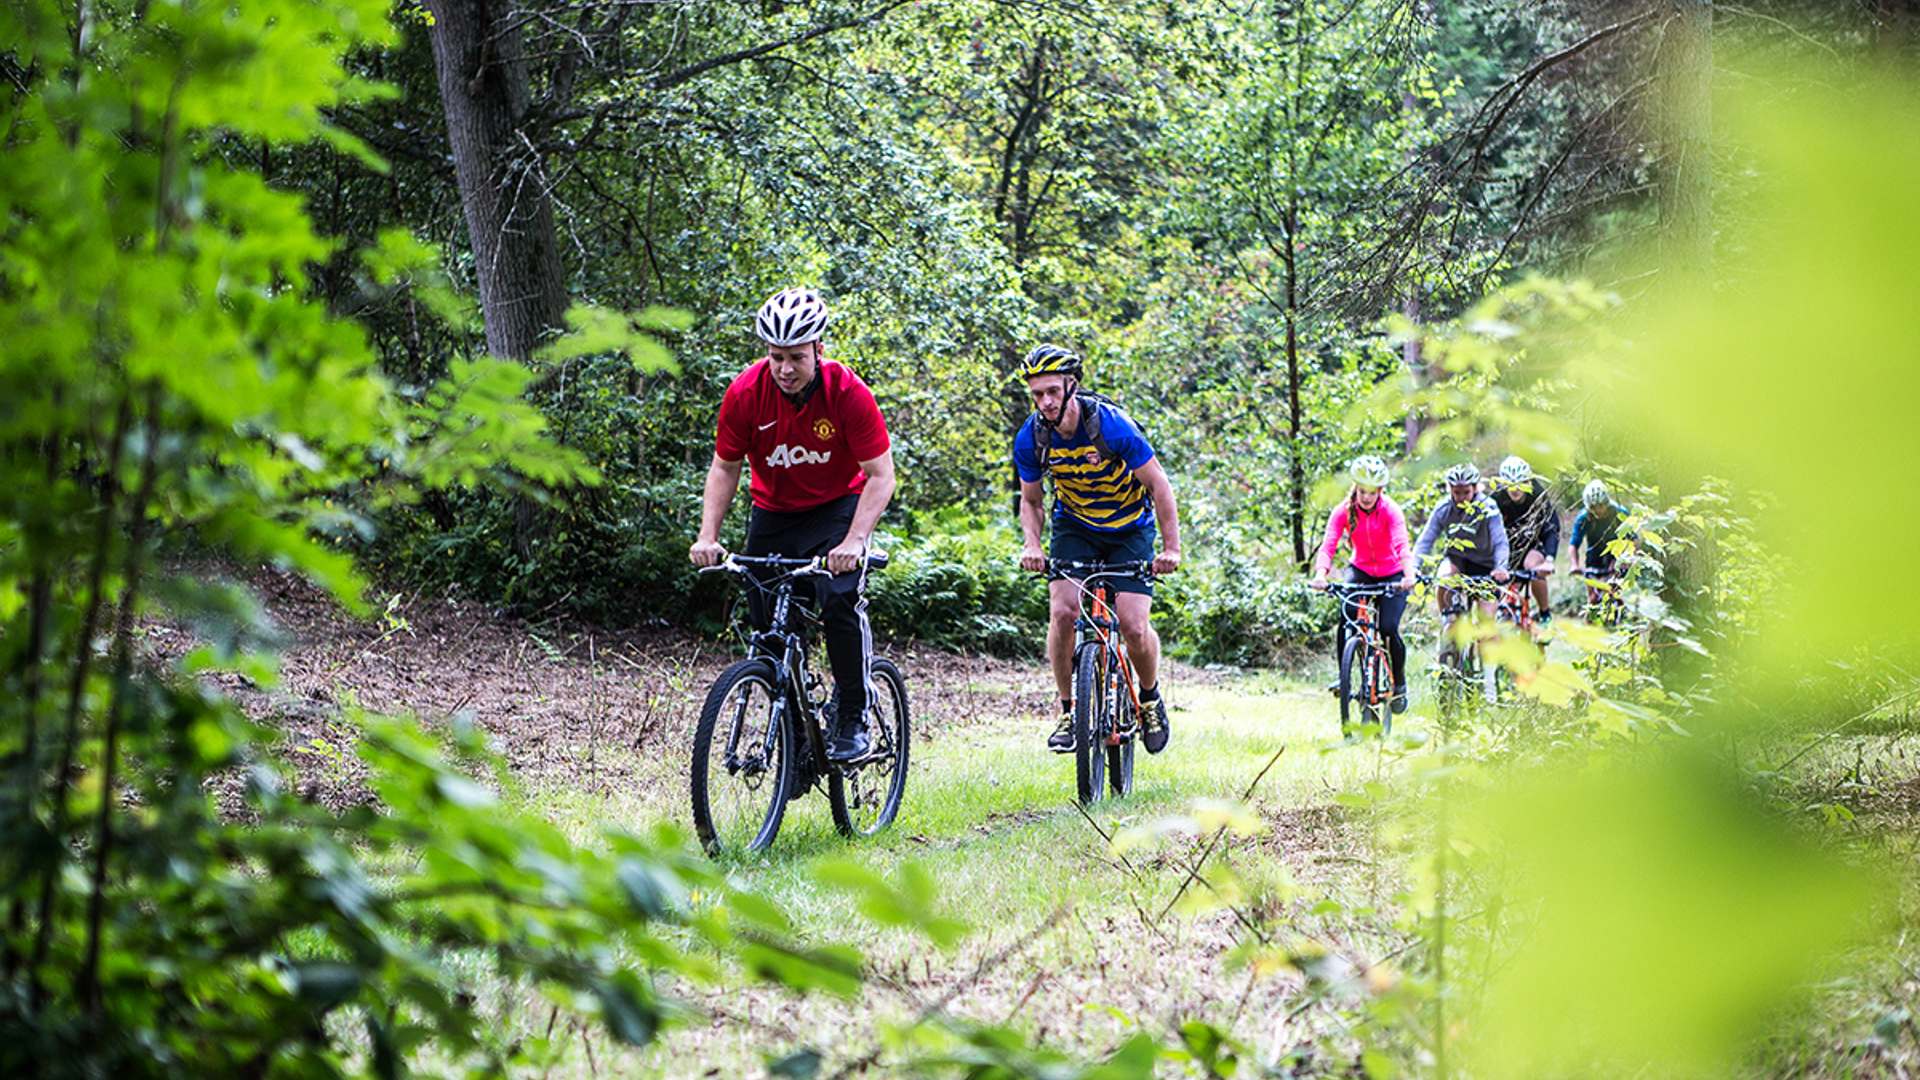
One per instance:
[(1379, 539)]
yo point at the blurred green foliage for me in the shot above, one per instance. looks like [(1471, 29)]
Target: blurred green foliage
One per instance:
[(1797, 376)]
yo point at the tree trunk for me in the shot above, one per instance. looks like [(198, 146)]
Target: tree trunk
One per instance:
[(1296, 467), (503, 182), (1686, 175)]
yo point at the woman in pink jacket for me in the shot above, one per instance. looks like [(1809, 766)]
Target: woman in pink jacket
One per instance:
[(1377, 533)]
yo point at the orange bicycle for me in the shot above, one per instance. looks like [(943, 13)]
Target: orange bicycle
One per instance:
[(1106, 697)]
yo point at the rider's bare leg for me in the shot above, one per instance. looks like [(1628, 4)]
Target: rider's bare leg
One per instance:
[(1143, 644), (1064, 598)]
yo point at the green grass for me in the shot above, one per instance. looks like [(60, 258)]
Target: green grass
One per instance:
[(1066, 939)]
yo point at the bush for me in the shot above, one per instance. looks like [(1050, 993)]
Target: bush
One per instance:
[(958, 585)]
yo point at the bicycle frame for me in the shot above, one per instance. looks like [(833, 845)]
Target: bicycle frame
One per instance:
[(1098, 623), (1516, 599), (786, 649), (1360, 617)]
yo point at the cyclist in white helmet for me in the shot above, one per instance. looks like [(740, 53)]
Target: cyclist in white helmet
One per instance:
[(1465, 534), (822, 472), (1377, 531), (1595, 528), (1533, 526)]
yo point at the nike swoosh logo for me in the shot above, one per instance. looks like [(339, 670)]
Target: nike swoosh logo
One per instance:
[(765, 426)]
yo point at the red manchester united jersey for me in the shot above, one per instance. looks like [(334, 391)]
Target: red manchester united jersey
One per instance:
[(801, 457)]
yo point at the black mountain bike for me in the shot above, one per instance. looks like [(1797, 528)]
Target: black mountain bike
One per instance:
[(761, 740), (1366, 669), (1106, 697)]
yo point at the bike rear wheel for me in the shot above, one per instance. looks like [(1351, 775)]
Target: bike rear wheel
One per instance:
[(1120, 754), (866, 794), (741, 764), (1090, 721), (1376, 685)]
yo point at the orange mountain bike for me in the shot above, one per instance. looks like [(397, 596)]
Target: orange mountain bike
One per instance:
[(1106, 696)]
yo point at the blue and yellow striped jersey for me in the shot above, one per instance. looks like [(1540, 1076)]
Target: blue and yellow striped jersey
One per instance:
[(1102, 495)]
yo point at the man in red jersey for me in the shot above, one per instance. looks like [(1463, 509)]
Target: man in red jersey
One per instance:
[(822, 471)]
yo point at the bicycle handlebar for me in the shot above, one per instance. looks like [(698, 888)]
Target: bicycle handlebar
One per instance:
[(1133, 568), (813, 566), (1512, 575), (1378, 588)]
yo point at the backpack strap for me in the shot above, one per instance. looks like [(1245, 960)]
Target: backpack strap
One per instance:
[(1090, 403), (1090, 419)]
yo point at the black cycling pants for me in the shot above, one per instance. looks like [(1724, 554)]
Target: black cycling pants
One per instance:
[(842, 598), (1391, 607)]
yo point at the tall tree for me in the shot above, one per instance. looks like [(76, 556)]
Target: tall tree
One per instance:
[(1297, 147), (505, 187)]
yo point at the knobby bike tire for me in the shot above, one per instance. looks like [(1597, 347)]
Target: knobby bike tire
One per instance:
[(741, 809), (1090, 722), (1120, 754), (866, 795), (1360, 685)]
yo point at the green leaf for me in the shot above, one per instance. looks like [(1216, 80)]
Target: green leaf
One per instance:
[(802, 1064), (630, 1015), (326, 985), (652, 889), (834, 969)]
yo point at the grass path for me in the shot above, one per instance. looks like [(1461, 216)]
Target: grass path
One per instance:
[(1069, 941)]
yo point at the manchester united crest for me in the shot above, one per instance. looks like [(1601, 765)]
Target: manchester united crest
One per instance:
[(823, 429)]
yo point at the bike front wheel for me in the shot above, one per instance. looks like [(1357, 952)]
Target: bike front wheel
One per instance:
[(1090, 721), (866, 794), (741, 767), (1120, 754)]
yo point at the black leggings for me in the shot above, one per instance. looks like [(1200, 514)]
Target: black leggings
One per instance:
[(1391, 607), (841, 598)]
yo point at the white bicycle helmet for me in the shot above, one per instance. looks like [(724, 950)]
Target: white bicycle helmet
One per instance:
[(1596, 494), (792, 317), (1369, 471), (1515, 471), (1463, 473)]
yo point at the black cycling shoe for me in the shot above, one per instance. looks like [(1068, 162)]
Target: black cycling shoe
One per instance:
[(1154, 728), (1400, 699), (849, 742), (1061, 741)]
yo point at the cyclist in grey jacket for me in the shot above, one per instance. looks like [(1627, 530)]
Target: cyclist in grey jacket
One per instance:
[(1465, 533)]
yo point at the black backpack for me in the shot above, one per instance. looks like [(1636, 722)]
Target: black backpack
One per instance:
[(1089, 420)]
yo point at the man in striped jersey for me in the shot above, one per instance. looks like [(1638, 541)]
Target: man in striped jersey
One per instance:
[(1109, 492)]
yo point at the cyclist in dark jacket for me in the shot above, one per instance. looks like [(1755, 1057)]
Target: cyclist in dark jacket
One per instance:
[(1533, 526)]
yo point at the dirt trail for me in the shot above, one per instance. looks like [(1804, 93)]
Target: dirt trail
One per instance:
[(552, 694)]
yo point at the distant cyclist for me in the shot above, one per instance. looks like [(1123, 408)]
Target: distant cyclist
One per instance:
[(1376, 529), (1465, 534), (1109, 491), (822, 473), (1595, 528), (1533, 526)]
